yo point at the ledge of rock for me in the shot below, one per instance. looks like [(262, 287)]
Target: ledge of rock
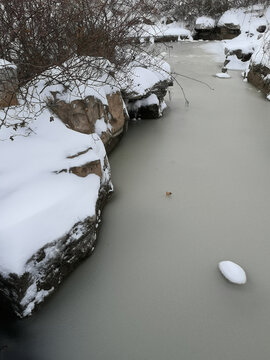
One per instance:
[(228, 27), (259, 76), (145, 89), (258, 73), (8, 84), (106, 117), (56, 183)]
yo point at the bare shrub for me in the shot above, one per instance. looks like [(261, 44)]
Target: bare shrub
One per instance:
[(41, 35)]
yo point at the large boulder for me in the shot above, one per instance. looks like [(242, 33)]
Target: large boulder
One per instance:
[(206, 28), (8, 84), (228, 26), (55, 184), (106, 116), (144, 88), (259, 69)]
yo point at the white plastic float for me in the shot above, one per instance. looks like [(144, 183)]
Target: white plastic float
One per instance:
[(232, 272), (223, 75)]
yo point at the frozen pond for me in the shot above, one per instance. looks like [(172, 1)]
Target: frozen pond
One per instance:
[(152, 290)]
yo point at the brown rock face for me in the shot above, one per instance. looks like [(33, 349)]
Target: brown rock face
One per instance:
[(93, 167), (8, 86), (257, 76), (116, 109), (82, 115)]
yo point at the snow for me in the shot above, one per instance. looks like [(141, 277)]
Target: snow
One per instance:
[(250, 41), (223, 76), (160, 30), (236, 64), (37, 203), (229, 17), (232, 272), (262, 54), (268, 97), (150, 100), (33, 297), (205, 22), (141, 78), (101, 126)]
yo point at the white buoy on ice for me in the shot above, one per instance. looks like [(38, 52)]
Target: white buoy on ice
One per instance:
[(232, 272)]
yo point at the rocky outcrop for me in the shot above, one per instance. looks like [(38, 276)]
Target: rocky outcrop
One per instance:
[(216, 33), (228, 31), (146, 88), (241, 54), (258, 73), (8, 84), (259, 76), (50, 265), (207, 29), (84, 115), (72, 156), (149, 105)]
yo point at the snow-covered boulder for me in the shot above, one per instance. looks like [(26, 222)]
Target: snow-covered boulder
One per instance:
[(90, 106), (232, 272), (8, 84), (252, 21), (54, 183), (164, 32), (147, 108), (228, 25), (145, 87), (205, 23), (205, 29), (230, 20), (259, 70)]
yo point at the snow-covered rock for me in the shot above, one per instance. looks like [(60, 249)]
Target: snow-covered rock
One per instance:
[(145, 86), (259, 69), (232, 272), (205, 23), (54, 183), (8, 83), (147, 108), (162, 32), (229, 19)]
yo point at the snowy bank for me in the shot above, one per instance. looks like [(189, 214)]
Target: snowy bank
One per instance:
[(54, 171), (46, 209)]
